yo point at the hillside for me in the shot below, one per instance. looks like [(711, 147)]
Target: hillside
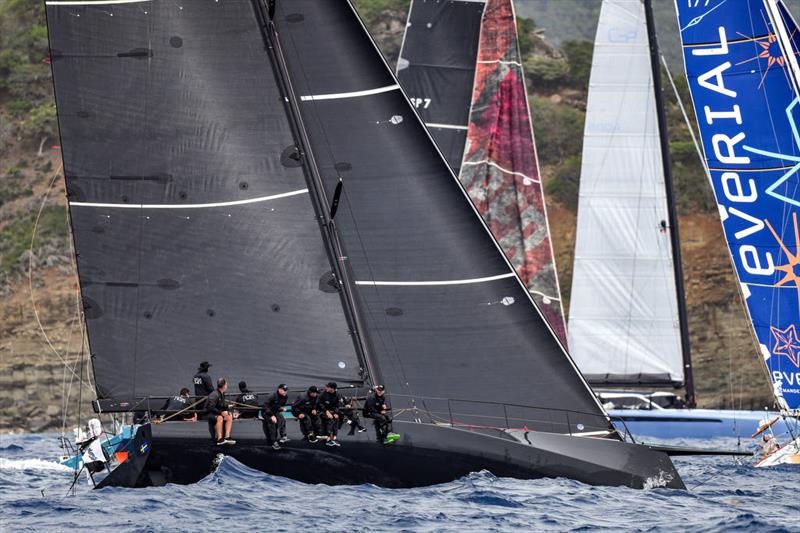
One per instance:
[(39, 312)]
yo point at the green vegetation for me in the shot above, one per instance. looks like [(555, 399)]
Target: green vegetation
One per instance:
[(372, 10), (15, 239), (24, 69)]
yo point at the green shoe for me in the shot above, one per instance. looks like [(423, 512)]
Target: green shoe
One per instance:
[(391, 438)]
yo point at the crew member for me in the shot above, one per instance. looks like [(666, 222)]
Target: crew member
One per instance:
[(202, 381), (376, 408), (217, 413), (178, 403), (247, 402), (305, 410), (274, 424), (350, 415), (330, 402)]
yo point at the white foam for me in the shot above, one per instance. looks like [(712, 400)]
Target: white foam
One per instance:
[(32, 464)]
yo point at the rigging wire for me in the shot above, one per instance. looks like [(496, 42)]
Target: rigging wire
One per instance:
[(46, 197)]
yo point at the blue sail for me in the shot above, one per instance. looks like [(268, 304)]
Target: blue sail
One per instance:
[(740, 58)]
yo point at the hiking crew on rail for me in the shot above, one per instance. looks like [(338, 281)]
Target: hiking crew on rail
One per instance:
[(320, 415)]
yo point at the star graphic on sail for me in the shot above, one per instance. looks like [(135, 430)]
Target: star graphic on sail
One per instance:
[(792, 267), (787, 343), (770, 50)]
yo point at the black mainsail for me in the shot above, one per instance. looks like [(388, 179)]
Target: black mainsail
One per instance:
[(195, 236), (207, 146)]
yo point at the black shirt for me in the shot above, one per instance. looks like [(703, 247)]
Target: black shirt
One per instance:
[(305, 404), (216, 404), (178, 403), (374, 405), (274, 404), (330, 401), (250, 399), (202, 384)]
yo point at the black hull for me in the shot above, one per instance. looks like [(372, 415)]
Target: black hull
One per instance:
[(426, 454), (132, 473)]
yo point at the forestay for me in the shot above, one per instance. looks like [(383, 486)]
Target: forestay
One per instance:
[(195, 235), (623, 317), (742, 69)]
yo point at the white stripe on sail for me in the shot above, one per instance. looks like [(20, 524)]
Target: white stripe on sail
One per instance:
[(446, 126), (354, 94), (191, 206), (498, 167), (88, 3), (501, 62), (441, 282)]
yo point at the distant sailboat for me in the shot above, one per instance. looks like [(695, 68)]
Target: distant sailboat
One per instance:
[(627, 323), (248, 185), (453, 46), (741, 64)]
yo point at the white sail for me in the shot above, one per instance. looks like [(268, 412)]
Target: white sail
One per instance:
[(623, 316)]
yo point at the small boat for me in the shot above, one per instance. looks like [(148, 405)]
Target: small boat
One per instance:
[(249, 185), (742, 68)]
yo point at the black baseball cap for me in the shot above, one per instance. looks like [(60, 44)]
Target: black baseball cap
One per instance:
[(283, 386), (313, 388), (379, 387), (332, 384)]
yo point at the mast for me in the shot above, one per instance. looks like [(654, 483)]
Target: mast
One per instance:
[(322, 206), (675, 240)]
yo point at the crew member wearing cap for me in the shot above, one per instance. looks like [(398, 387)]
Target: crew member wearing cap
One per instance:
[(305, 409), (247, 402), (203, 386), (330, 402), (376, 408), (274, 424)]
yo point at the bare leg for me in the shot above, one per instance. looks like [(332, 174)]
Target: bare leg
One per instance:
[(228, 424), (219, 427)]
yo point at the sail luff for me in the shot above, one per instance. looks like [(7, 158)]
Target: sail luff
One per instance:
[(672, 211)]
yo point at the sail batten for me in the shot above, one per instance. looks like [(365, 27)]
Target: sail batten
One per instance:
[(624, 321)]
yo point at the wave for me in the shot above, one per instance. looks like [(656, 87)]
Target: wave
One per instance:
[(32, 464)]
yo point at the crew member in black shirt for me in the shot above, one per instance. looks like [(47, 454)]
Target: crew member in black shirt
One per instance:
[(246, 402), (217, 413), (330, 402), (305, 410), (274, 424), (178, 403), (202, 381), (376, 408)]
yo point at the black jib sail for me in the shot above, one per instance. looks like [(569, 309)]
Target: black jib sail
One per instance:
[(195, 235), (196, 229), (445, 315), (437, 66)]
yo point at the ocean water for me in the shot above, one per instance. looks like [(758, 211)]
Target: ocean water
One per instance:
[(725, 495)]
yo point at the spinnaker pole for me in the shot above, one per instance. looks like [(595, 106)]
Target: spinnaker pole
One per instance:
[(674, 233)]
